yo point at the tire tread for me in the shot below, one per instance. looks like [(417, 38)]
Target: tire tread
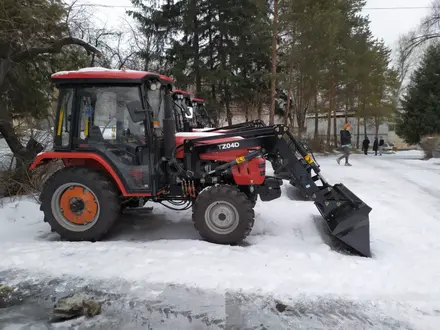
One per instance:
[(244, 207), (102, 186)]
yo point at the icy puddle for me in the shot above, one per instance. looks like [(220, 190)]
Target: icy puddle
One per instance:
[(177, 307)]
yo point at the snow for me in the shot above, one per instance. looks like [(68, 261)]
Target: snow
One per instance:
[(91, 69), (285, 255)]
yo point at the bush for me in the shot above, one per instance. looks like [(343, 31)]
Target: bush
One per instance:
[(16, 182), (429, 144)]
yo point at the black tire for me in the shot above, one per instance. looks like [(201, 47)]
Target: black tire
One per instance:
[(253, 199), (232, 200), (106, 196)]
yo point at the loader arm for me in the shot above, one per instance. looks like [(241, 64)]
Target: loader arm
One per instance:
[(242, 126), (345, 214)]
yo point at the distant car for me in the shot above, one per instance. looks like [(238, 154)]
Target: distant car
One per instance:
[(389, 147)]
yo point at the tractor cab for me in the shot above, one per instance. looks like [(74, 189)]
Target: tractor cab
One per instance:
[(202, 119), (183, 111), (119, 116)]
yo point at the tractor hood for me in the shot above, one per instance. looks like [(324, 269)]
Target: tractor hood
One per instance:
[(182, 136)]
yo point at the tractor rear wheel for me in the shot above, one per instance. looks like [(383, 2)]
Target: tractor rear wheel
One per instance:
[(223, 214), (80, 204)]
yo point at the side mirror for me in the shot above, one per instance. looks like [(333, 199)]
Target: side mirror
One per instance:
[(189, 113), (137, 112)]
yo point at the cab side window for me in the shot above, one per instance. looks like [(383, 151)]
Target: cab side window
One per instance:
[(63, 126)]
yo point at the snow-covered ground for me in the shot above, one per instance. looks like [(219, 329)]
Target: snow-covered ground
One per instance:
[(285, 256)]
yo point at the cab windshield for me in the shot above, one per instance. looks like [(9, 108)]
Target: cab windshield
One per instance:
[(104, 113)]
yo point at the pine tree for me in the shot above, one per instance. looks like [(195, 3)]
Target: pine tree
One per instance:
[(421, 105)]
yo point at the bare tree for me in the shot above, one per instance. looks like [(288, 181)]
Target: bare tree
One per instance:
[(415, 41), (28, 35), (120, 46), (406, 59)]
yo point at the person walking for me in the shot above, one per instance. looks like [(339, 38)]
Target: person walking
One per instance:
[(345, 144), (381, 143), (366, 145), (375, 146)]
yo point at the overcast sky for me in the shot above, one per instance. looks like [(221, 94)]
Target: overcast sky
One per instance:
[(386, 23)]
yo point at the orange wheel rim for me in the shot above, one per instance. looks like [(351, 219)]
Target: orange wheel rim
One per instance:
[(78, 205)]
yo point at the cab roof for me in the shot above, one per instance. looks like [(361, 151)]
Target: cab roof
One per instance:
[(186, 95), (97, 74), (198, 100)]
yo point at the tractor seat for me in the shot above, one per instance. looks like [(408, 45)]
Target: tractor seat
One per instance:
[(95, 134)]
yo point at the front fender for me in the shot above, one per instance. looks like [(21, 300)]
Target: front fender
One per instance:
[(42, 158)]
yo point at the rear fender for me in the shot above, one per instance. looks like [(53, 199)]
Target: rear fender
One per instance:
[(86, 159)]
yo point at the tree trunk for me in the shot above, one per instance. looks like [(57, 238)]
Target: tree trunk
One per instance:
[(228, 113), (332, 102), (365, 126), (300, 119), (358, 131), (196, 48), (329, 125), (24, 155), (211, 56), (217, 108), (227, 100), (224, 83), (246, 112), (259, 106), (377, 123), (274, 64), (316, 114), (8, 132), (329, 115), (287, 112)]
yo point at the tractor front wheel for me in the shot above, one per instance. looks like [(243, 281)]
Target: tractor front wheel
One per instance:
[(80, 204), (223, 214)]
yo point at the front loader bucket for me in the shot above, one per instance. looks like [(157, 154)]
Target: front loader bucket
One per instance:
[(347, 217)]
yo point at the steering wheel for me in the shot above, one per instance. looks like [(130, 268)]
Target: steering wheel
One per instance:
[(109, 121), (128, 134)]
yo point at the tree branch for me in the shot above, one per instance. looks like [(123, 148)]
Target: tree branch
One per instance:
[(54, 48)]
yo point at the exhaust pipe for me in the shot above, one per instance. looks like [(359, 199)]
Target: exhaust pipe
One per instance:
[(169, 126)]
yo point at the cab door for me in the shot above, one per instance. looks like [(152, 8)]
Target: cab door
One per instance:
[(106, 127)]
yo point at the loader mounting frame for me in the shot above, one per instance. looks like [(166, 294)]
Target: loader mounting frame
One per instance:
[(345, 214)]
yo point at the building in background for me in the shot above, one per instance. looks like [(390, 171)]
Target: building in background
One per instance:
[(385, 129)]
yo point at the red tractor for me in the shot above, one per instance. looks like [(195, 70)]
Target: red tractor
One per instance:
[(190, 113), (183, 112), (202, 118), (218, 174)]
